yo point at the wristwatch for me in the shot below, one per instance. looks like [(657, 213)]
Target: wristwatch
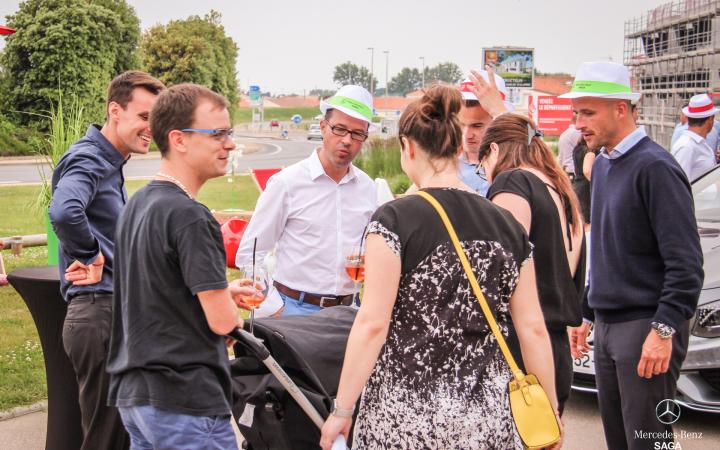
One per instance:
[(663, 330), (339, 412)]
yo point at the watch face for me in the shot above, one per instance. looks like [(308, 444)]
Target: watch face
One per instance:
[(664, 331)]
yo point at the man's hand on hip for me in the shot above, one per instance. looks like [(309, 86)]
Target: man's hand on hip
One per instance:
[(655, 357), (85, 274)]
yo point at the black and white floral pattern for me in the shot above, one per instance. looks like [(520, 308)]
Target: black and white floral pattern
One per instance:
[(441, 380)]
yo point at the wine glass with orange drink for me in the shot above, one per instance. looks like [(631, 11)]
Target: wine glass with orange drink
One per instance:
[(355, 266), (257, 280)]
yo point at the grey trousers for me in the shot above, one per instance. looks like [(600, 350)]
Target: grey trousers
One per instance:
[(86, 334), (627, 401)]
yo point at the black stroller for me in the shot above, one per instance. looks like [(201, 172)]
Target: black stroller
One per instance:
[(280, 401)]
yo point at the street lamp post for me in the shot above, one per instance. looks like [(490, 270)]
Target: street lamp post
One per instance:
[(422, 58), (372, 54), (387, 59)]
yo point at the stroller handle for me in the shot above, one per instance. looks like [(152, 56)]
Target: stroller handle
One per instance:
[(250, 342)]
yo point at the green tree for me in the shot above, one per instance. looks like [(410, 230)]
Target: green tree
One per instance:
[(407, 80), (194, 50), (65, 47), (324, 93), (349, 73), (446, 72)]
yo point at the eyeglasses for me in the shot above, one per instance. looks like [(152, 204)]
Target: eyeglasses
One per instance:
[(337, 130), (219, 134)]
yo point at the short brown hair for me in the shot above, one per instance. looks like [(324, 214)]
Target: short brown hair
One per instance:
[(121, 88), (175, 110), (432, 122)]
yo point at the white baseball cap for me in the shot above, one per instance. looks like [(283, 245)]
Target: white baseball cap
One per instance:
[(700, 106), (355, 101), (602, 79), (499, 82)]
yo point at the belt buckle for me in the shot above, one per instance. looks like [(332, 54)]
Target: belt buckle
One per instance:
[(322, 301)]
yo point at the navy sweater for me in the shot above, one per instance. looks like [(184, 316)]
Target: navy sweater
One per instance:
[(645, 258)]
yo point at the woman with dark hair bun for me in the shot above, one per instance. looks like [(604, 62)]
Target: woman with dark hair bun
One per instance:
[(421, 353), (528, 181)]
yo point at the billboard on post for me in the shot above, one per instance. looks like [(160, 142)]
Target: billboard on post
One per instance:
[(515, 65), (551, 114)]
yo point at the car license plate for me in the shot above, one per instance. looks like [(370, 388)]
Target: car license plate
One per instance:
[(585, 364)]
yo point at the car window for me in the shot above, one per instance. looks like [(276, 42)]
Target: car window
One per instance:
[(706, 191)]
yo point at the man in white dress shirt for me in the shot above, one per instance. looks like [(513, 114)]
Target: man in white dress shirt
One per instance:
[(692, 150), (312, 212)]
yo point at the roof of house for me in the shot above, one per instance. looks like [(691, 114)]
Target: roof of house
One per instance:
[(386, 103), (553, 84)]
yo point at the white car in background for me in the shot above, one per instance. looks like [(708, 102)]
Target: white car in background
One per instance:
[(314, 132), (699, 383)]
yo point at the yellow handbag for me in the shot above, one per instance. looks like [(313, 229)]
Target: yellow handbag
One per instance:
[(532, 412)]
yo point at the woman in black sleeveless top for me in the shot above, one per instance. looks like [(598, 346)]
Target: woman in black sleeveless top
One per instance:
[(528, 181), (581, 183)]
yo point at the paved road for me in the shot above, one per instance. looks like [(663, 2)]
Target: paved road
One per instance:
[(273, 153), (582, 425)]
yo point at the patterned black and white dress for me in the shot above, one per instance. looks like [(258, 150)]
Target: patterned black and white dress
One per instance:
[(441, 380)]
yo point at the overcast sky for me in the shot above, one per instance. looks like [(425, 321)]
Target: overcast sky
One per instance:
[(288, 46)]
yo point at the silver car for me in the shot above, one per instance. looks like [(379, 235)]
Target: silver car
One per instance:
[(314, 132), (699, 382)]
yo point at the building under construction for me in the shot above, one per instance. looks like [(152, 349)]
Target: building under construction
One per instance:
[(673, 52)]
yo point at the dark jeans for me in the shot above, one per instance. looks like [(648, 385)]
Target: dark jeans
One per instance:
[(627, 401), (562, 361), (86, 333)]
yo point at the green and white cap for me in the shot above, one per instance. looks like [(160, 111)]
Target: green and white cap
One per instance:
[(355, 101), (602, 79)]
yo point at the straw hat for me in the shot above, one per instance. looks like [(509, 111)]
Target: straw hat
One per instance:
[(700, 106)]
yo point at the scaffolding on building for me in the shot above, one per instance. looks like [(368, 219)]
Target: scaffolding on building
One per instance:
[(673, 52)]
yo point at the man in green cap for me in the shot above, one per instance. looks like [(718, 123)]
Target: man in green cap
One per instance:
[(645, 263), (313, 212)]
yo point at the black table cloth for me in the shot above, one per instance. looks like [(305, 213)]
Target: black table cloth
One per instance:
[(40, 289)]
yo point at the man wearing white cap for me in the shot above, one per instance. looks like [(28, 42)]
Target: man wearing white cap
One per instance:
[(474, 119), (312, 212), (645, 262), (692, 150)]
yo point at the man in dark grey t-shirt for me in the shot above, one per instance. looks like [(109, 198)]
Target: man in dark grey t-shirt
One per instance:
[(169, 369)]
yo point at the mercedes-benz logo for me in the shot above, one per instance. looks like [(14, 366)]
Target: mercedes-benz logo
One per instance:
[(667, 411)]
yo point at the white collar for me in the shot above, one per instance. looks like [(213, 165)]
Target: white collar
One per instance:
[(317, 170)]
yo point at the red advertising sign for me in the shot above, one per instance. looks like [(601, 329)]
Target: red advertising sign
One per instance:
[(553, 114)]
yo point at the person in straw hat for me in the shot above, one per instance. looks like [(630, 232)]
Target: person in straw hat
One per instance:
[(314, 211), (692, 150), (645, 262), (474, 120)]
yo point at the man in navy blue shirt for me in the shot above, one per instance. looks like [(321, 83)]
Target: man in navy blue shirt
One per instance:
[(88, 195), (645, 262)]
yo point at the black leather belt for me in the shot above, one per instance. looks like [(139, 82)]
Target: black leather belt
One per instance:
[(323, 301), (91, 297)]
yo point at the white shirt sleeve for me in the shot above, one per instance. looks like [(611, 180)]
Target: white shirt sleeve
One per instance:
[(267, 223), (684, 157)]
